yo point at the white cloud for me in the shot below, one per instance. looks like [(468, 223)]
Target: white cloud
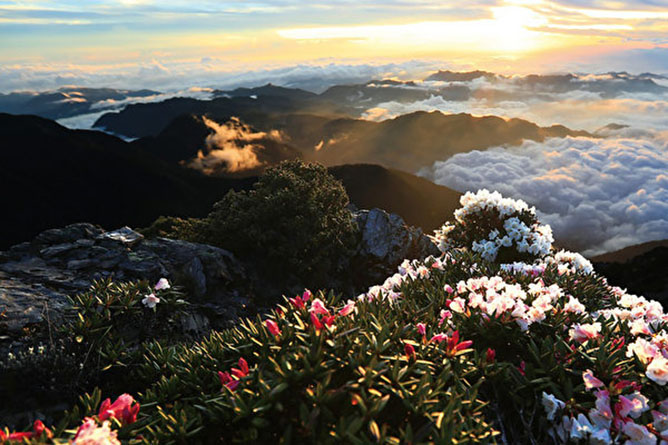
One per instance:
[(598, 194)]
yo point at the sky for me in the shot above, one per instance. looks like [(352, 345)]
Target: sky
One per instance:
[(139, 39)]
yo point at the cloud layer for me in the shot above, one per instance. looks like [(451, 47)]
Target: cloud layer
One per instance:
[(598, 194), (232, 147), (584, 101)]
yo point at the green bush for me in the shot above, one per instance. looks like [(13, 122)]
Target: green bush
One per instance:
[(294, 222)]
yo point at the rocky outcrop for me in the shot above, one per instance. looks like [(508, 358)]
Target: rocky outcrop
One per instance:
[(385, 242), (37, 277)]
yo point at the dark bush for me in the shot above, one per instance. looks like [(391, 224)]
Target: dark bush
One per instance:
[(188, 229), (294, 223)]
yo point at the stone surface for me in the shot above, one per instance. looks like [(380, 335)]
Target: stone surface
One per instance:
[(37, 277), (385, 242)]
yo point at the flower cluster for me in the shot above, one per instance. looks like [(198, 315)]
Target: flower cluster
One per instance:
[(620, 414), (488, 222), (151, 299)]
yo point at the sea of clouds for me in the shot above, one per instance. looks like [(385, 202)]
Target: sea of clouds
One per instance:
[(598, 195)]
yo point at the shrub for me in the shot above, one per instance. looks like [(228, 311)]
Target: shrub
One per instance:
[(294, 221), (189, 229), (454, 349), (498, 228)]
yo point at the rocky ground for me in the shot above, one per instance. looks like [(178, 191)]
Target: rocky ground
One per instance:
[(36, 277)]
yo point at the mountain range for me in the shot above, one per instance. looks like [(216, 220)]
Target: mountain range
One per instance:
[(59, 176)]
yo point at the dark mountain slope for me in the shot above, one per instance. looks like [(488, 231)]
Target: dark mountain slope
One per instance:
[(640, 269), (420, 202), (408, 142), (416, 140), (52, 176), (149, 119), (629, 253)]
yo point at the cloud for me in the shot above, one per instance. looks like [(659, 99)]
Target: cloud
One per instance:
[(584, 101), (232, 147), (597, 194), (209, 72)]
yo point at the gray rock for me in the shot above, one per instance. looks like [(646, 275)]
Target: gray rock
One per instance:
[(195, 272), (58, 249), (62, 262), (79, 264), (124, 235), (385, 242)]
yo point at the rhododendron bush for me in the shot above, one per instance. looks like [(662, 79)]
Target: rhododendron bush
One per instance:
[(501, 339)]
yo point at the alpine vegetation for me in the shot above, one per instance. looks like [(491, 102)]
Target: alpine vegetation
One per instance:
[(500, 339)]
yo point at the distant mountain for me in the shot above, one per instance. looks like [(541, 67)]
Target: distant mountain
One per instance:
[(408, 142), (67, 101), (629, 253), (641, 269), (267, 90), (149, 119), (412, 141), (52, 176), (453, 76)]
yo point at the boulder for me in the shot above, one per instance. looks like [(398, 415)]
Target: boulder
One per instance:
[(386, 240), (37, 277)]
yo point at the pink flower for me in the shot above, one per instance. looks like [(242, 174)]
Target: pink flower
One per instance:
[(300, 302), (150, 301), (522, 368), (438, 338), (421, 328), (242, 370), (444, 316), (89, 433), (320, 323), (590, 381), (318, 307), (490, 356), (632, 405), (38, 429), (457, 305), (124, 409), (227, 381), (272, 327), (409, 350), (347, 309), (162, 284), (448, 289)]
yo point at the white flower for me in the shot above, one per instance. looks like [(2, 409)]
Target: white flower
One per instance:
[(150, 301), (574, 306), (600, 436), (581, 427), (89, 433), (551, 405), (162, 284), (658, 370), (638, 434)]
